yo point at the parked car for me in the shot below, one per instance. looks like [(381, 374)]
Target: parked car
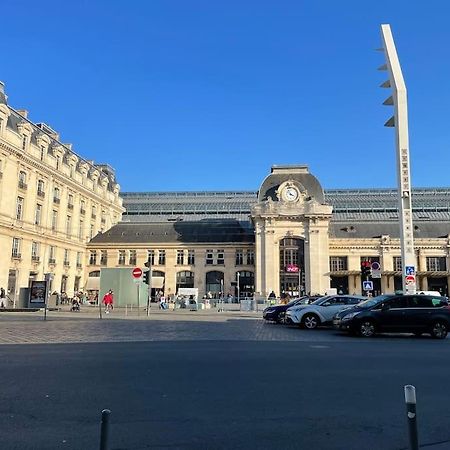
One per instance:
[(322, 311), (415, 314), (276, 313)]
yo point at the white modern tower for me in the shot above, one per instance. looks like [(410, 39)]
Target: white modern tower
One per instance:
[(399, 120)]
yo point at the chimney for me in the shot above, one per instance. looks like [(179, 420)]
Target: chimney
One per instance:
[(23, 112)]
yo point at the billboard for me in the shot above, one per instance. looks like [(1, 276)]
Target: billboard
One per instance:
[(38, 294)]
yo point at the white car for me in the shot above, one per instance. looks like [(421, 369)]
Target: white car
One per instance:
[(321, 311)]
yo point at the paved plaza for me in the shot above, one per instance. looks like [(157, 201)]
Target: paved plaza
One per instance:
[(208, 380)]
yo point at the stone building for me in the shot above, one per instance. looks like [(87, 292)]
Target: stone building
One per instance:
[(289, 236), (52, 201)]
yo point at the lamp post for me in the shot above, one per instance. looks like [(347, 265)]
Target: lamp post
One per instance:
[(399, 121)]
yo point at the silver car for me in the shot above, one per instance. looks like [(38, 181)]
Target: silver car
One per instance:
[(322, 311)]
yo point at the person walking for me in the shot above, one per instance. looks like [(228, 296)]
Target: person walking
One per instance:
[(108, 301)]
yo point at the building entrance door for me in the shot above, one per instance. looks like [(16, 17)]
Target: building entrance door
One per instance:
[(292, 265)]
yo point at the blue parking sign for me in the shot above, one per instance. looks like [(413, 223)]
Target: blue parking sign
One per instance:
[(410, 270)]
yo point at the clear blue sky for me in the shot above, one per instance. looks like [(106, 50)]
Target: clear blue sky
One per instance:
[(207, 95)]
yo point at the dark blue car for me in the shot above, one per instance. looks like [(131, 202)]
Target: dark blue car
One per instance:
[(276, 313)]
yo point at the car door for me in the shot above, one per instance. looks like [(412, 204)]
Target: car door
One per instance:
[(393, 314), (420, 308), (332, 306)]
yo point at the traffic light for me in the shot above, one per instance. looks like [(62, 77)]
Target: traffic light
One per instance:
[(146, 276), (366, 269)]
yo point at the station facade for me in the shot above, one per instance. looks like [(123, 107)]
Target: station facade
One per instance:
[(290, 236)]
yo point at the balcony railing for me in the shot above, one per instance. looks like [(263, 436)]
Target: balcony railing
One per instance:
[(93, 216), (92, 262), (41, 193), (23, 185), (35, 259), (70, 206), (56, 200), (82, 211), (103, 220), (103, 262), (16, 255), (52, 261), (79, 265), (66, 263)]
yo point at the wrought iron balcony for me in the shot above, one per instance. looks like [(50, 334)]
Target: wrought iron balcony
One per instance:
[(16, 255), (52, 261), (56, 200), (23, 185), (70, 206), (41, 193), (35, 259)]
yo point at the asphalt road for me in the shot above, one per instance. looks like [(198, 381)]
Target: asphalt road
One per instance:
[(224, 394)]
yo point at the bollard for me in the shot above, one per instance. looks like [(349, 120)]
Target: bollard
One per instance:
[(126, 309), (410, 399), (104, 429)]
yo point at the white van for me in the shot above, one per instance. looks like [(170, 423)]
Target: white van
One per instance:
[(434, 293)]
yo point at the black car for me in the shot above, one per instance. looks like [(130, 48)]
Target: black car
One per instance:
[(276, 313), (415, 314)]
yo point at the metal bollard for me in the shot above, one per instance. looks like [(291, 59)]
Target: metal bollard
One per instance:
[(104, 430), (410, 399)]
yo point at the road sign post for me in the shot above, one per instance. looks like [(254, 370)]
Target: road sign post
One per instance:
[(368, 285)]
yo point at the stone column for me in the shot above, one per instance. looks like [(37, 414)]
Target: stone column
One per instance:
[(259, 257), (270, 279)]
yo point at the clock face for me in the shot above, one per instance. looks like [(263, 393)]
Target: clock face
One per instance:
[(290, 194)]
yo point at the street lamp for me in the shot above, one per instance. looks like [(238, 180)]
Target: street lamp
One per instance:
[(399, 121)]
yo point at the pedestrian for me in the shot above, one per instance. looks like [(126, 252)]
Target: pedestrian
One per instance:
[(2, 298), (272, 295), (108, 301)]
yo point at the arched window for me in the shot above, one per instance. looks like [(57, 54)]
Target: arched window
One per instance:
[(185, 279), (214, 282), (94, 274), (292, 266)]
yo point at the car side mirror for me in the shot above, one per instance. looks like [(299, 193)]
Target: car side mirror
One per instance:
[(385, 307)]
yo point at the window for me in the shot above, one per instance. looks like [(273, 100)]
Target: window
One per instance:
[(398, 302), (220, 257), (250, 257), (338, 263), (191, 257), (58, 162), (22, 180), (161, 257), (24, 142), (93, 257), (16, 248), (79, 265), (185, 279), (66, 257), (94, 212), (132, 260), (91, 232), (436, 263), (80, 230), (40, 188), (54, 220), (68, 226), (52, 253), (82, 207), (104, 258), (103, 217), (42, 152), (38, 214), (397, 264), (209, 257), (35, 251), (19, 208), (180, 257), (121, 257), (70, 201), (239, 257), (151, 257), (56, 195)]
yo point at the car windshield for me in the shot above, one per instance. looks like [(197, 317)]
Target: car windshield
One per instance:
[(373, 301)]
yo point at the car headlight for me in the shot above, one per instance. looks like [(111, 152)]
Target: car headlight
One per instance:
[(350, 316)]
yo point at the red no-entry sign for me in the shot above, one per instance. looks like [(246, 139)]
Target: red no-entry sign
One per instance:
[(137, 272)]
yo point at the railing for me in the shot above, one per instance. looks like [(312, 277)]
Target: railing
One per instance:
[(16, 255), (56, 200), (66, 263), (41, 193), (23, 185), (82, 211), (52, 261), (70, 206), (93, 216), (35, 258), (103, 262), (79, 265), (103, 220)]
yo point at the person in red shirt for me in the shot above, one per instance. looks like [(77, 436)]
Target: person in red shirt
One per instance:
[(108, 301)]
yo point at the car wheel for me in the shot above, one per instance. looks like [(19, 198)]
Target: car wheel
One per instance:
[(439, 330), (281, 318), (367, 328), (310, 321)]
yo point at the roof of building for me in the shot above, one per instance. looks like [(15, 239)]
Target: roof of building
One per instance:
[(202, 231)]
